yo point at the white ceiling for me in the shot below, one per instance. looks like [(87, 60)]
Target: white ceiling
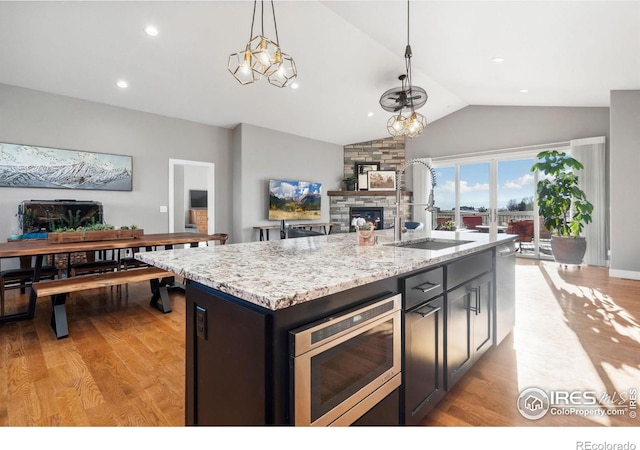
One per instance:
[(566, 53)]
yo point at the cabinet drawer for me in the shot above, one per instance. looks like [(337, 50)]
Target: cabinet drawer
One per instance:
[(198, 216), (421, 287), (467, 268)]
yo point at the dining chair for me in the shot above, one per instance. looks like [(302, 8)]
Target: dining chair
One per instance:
[(414, 225), (301, 232), (470, 222)]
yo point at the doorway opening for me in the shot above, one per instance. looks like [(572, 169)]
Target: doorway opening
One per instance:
[(185, 176)]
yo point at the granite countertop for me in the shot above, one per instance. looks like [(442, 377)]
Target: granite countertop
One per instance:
[(282, 273)]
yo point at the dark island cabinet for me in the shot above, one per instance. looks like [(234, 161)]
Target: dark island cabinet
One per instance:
[(469, 316), (423, 369), (424, 360), (237, 356)]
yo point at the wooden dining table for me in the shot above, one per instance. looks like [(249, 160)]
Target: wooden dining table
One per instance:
[(41, 247)]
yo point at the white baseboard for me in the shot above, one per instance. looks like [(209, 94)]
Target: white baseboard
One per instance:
[(628, 274)]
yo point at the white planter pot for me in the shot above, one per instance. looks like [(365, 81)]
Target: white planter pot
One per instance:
[(568, 250)]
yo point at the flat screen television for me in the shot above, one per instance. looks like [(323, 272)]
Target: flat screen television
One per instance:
[(294, 200), (197, 199)]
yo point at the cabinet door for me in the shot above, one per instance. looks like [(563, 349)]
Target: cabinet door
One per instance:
[(482, 314), (458, 344), (423, 371)]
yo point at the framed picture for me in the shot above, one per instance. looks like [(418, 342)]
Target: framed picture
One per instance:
[(381, 180), (43, 167), (361, 170)]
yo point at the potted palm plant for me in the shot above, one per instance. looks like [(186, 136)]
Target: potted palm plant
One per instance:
[(563, 205)]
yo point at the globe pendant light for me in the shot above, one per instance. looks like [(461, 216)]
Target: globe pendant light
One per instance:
[(407, 97), (262, 57)]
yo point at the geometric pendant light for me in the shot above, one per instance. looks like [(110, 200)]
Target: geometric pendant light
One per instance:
[(403, 101), (262, 57)]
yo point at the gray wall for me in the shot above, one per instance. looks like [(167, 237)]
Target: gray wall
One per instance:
[(265, 154), (484, 128), (37, 118), (625, 183)]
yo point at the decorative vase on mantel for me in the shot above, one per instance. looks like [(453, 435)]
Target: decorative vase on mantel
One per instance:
[(350, 183)]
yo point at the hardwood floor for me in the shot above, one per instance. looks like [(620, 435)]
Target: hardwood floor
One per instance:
[(123, 363), (576, 330)]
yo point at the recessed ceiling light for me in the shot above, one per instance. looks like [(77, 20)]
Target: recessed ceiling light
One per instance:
[(151, 30), (524, 91), (122, 84), (370, 114), (497, 59), (294, 85)]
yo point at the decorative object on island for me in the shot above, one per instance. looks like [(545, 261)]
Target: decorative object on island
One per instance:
[(364, 232), (294, 200), (43, 167), (262, 57), (563, 205), (405, 98), (381, 180), (361, 169)]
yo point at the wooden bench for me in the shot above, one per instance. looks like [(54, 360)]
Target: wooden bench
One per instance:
[(60, 288)]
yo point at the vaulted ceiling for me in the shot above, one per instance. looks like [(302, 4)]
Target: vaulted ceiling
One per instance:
[(564, 53)]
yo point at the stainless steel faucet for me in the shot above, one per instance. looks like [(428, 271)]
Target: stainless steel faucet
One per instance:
[(398, 223)]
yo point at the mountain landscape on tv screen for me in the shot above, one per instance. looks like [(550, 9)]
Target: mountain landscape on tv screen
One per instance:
[(297, 200)]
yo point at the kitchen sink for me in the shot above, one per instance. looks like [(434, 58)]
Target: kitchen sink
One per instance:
[(431, 244)]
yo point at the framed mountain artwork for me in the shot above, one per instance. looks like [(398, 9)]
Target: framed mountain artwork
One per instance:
[(43, 167)]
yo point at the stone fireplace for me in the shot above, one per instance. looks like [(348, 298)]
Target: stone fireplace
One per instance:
[(342, 203), (390, 154)]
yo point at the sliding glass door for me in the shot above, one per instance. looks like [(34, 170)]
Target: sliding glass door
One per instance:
[(475, 196), (495, 194), (517, 209)]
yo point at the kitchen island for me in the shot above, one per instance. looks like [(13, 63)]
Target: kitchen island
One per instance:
[(246, 301)]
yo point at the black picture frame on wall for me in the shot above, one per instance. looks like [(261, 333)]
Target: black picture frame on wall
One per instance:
[(360, 171)]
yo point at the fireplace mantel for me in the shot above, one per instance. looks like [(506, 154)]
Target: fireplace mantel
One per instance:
[(365, 193)]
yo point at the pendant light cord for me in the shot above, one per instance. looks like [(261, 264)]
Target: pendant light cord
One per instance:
[(262, 17), (253, 19), (407, 56), (275, 25), (408, 23)]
